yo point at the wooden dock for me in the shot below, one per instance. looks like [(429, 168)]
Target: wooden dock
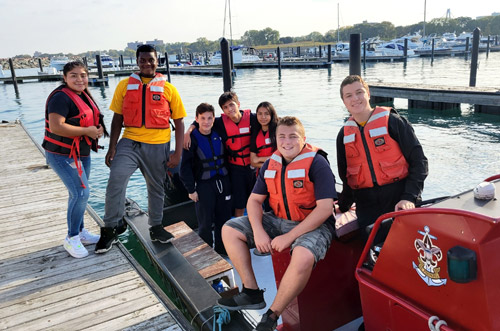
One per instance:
[(484, 99), (41, 286)]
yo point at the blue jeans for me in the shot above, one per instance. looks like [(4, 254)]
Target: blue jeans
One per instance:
[(78, 196)]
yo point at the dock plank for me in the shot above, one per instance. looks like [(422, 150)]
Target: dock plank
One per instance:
[(41, 286)]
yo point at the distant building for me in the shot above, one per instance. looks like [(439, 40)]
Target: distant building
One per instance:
[(155, 42), (134, 45)]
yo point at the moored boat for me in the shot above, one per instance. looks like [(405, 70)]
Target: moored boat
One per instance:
[(58, 62), (404, 277)]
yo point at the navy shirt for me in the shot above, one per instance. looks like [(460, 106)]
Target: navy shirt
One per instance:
[(320, 174)]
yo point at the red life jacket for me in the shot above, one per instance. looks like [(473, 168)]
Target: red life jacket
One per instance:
[(373, 157), (146, 105), (78, 146), (238, 139), (291, 193), (264, 145)]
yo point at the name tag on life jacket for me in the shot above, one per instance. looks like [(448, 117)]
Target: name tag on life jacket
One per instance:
[(269, 173), (267, 141), (245, 130), (296, 173)]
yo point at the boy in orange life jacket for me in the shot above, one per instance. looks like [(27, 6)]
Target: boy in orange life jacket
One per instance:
[(143, 104), (301, 189), (234, 127), (204, 174), (380, 160)]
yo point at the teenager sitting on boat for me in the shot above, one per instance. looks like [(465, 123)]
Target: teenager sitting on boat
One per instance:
[(234, 127), (204, 174), (263, 139), (73, 124), (380, 160), (301, 189), (144, 104)]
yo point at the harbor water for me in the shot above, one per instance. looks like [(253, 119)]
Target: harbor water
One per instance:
[(463, 147)]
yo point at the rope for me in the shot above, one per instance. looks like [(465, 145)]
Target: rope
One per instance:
[(223, 317)]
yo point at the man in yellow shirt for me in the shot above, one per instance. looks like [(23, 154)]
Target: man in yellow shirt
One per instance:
[(143, 104)]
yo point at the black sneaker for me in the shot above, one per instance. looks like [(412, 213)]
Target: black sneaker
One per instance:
[(243, 300), (106, 241), (158, 233), (268, 322), (121, 227)]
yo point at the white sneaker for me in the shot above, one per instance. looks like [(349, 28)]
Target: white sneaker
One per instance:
[(74, 247), (88, 238)]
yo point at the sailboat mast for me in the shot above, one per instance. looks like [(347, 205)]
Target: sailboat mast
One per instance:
[(425, 10), (230, 23), (338, 22)]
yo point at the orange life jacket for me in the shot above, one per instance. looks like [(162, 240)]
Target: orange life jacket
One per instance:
[(238, 139), (264, 145), (145, 104), (291, 192), (373, 157), (78, 146)]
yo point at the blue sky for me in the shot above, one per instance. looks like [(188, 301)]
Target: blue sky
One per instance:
[(72, 26)]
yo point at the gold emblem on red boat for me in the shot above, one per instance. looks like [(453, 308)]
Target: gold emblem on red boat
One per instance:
[(429, 256)]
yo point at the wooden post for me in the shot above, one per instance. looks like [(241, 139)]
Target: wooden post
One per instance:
[(191, 57), (488, 47), (122, 64), (99, 66), (13, 75), (40, 64), (364, 53), (405, 51), (206, 57), (432, 51), (320, 52), (231, 61), (85, 61), (466, 45), (355, 54), (298, 51), (279, 60), (475, 52), (167, 65), (226, 65), (329, 53)]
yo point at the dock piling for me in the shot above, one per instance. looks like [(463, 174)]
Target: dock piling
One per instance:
[(122, 64), (467, 45), (167, 66), (405, 51), (279, 60), (355, 54), (432, 51), (13, 75), (298, 51), (40, 64), (475, 51), (320, 53), (99, 66), (329, 53), (85, 61), (226, 65), (488, 46)]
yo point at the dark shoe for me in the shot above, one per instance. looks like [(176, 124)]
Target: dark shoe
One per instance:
[(259, 253), (243, 300), (268, 322), (158, 233), (121, 227), (106, 241)]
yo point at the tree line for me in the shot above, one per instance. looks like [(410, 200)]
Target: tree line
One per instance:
[(489, 25)]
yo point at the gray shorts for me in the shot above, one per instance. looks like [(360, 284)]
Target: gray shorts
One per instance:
[(317, 241)]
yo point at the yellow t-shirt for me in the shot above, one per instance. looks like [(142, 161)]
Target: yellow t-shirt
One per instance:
[(142, 134)]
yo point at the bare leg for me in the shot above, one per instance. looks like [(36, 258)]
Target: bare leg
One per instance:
[(294, 280), (238, 252)]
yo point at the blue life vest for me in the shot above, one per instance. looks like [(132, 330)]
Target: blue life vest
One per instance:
[(211, 154)]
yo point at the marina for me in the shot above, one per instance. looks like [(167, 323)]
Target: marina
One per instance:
[(41, 286), (321, 112)]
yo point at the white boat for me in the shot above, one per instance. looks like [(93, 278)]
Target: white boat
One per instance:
[(241, 54), (58, 62), (392, 48), (106, 61)]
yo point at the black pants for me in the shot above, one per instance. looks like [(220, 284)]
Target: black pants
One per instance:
[(376, 201), (213, 208)]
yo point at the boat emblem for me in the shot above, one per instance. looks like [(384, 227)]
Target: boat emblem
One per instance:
[(156, 97), (379, 141), (429, 256), (298, 183)]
